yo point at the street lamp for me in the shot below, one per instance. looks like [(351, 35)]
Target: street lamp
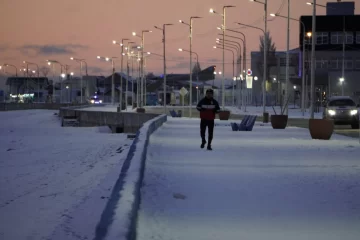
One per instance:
[(197, 56), (164, 59), (265, 52), (142, 62), (38, 76), (313, 42), (241, 73), (223, 27), (128, 73), (342, 85), (265, 62), (10, 65), (303, 61), (81, 61), (228, 49), (243, 41), (191, 30), (51, 62), (121, 67), (112, 78), (197, 61)]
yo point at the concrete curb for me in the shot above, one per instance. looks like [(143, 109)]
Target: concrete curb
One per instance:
[(118, 220)]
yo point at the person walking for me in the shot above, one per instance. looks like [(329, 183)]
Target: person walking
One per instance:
[(207, 107)]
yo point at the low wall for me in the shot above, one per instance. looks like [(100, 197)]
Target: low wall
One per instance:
[(127, 122), (118, 220), (26, 106)]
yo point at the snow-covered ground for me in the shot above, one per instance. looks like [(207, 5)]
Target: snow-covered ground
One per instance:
[(252, 110), (293, 112), (106, 108), (54, 181), (264, 184)]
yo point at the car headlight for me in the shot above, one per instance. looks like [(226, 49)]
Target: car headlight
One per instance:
[(331, 112), (353, 112), (100, 101), (92, 101)]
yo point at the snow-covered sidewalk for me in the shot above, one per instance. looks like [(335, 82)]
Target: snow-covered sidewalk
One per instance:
[(54, 181), (264, 184)]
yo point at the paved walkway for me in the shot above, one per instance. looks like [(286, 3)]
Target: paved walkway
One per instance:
[(264, 184)]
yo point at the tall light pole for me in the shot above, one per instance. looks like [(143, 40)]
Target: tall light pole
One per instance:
[(303, 60), (265, 53), (127, 73), (342, 85), (121, 68), (10, 65), (230, 50), (112, 78), (81, 61), (191, 86), (313, 59), (16, 72), (242, 73), (164, 59), (244, 42), (238, 50), (142, 62), (197, 61), (223, 52), (265, 63), (61, 71), (197, 56), (38, 75)]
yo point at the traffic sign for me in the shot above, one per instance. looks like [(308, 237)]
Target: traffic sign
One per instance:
[(249, 72), (183, 91)]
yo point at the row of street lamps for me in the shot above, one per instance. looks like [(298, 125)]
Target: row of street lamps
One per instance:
[(224, 48)]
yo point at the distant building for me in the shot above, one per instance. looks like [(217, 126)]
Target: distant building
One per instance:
[(275, 86), (335, 58)]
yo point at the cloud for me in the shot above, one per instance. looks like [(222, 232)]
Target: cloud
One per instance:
[(96, 70), (180, 65), (213, 60), (3, 47), (178, 58), (46, 50)]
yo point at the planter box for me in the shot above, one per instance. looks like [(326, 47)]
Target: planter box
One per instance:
[(140, 110), (224, 115), (321, 128), (279, 121)]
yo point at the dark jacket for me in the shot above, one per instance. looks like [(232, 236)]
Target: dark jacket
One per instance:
[(208, 108)]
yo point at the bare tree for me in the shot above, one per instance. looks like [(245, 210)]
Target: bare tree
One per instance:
[(270, 53), (196, 68), (44, 71)]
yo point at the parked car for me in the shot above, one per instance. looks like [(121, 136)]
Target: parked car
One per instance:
[(343, 110), (95, 100)]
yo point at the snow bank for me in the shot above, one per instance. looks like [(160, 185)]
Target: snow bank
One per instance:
[(55, 181), (118, 220)]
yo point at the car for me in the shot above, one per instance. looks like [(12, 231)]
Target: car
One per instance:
[(95, 100), (343, 110)]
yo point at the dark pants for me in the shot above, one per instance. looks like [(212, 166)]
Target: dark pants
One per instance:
[(210, 124)]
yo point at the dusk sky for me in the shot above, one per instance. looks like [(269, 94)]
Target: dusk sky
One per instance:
[(46, 29)]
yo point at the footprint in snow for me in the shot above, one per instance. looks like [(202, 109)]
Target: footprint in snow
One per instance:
[(179, 196)]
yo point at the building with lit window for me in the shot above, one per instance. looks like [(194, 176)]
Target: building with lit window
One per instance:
[(337, 50)]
